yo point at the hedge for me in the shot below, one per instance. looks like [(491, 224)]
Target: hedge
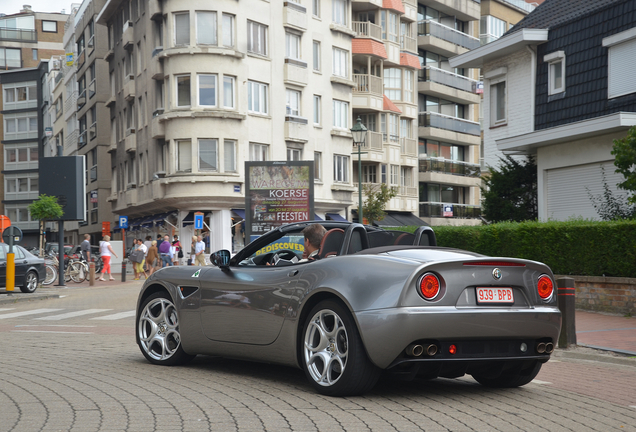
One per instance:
[(577, 247)]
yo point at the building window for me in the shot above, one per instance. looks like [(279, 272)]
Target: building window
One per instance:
[(257, 97), (256, 38), (182, 28), (208, 154), (406, 177), (228, 30), (390, 132), (340, 114), (292, 46), (293, 102), (317, 101), (258, 152), (620, 62), (556, 72), (49, 26), (294, 154), (498, 101), (184, 156), (206, 28), (394, 171), (228, 91), (317, 166), (341, 169), (408, 86), (207, 90), (34, 54), (491, 29), (406, 130), (24, 95), (229, 155), (393, 83), (20, 126), (10, 58), (340, 61), (316, 46), (339, 12), (315, 8), (183, 90), (369, 173)]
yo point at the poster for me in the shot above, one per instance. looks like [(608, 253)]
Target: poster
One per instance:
[(278, 193)]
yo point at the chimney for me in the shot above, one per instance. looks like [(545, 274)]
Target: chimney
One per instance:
[(26, 8)]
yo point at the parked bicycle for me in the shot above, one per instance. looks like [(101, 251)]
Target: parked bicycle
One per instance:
[(76, 270)]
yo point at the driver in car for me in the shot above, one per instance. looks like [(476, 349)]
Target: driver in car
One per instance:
[(313, 237)]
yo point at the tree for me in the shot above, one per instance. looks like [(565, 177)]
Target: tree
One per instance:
[(46, 208), (511, 192), (624, 151), (609, 206), (377, 197)]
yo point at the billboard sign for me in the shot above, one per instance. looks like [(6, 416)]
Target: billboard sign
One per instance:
[(277, 193)]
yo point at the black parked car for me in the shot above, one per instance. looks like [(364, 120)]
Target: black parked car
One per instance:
[(29, 269)]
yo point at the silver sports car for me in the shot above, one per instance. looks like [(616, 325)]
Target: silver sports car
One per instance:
[(374, 301)]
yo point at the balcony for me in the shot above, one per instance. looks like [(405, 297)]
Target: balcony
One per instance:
[(410, 191), (127, 37), (10, 63), (368, 29), (130, 144), (366, 83), (448, 85), (294, 15), (296, 129), (155, 66), (81, 99), (83, 139), (408, 43), (366, 4), (460, 211), (463, 10), (408, 146), (129, 87), (445, 166), (154, 9), (454, 124), (157, 128), (18, 35), (448, 34), (373, 142), (295, 72)]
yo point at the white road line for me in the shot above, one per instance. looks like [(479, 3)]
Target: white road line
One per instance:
[(72, 314), (536, 381), (44, 331), (116, 316), (53, 325), (7, 309), (30, 312)]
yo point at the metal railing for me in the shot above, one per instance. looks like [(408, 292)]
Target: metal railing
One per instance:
[(408, 146), (433, 28), (408, 190), (373, 141), (521, 5), (366, 83), (408, 43), (17, 34), (441, 121), (367, 28), (445, 166), (450, 79), (460, 211)]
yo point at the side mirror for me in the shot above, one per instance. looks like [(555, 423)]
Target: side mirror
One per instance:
[(221, 258)]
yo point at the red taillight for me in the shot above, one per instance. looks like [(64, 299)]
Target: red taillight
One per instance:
[(545, 287), (452, 349), (429, 286), (494, 263)]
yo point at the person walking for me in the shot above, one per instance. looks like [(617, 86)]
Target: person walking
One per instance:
[(85, 247), (176, 244), (106, 251), (152, 259), (138, 266), (193, 247), (165, 251), (147, 243), (199, 252)]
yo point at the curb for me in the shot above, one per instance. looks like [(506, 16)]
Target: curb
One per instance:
[(605, 355), (18, 297)]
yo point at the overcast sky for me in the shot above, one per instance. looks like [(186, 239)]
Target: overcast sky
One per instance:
[(11, 7)]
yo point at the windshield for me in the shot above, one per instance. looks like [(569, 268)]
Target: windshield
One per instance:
[(289, 247)]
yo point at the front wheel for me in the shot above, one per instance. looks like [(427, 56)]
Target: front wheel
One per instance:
[(514, 375), (333, 356), (158, 333), (51, 274), (30, 282), (78, 272)]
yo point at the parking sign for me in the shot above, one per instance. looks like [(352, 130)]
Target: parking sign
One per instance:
[(123, 222)]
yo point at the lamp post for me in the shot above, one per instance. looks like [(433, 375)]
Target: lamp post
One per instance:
[(359, 132)]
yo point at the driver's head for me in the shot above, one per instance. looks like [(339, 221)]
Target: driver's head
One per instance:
[(313, 237)]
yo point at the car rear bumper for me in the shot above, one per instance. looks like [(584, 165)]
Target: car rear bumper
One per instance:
[(479, 333)]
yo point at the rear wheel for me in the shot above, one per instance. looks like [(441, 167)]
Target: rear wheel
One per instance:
[(78, 272), (509, 376), (332, 353), (51, 274), (30, 282)]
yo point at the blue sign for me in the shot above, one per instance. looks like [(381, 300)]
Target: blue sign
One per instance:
[(198, 221), (123, 222), (237, 188)]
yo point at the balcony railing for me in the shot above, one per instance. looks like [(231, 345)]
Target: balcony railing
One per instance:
[(408, 43), (373, 141), (433, 28), (408, 190), (447, 78), (522, 5), (460, 211), (366, 28), (441, 121), (16, 34), (445, 166), (408, 146), (367, 84)]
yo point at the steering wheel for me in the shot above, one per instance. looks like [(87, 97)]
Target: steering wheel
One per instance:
[(285, 254)]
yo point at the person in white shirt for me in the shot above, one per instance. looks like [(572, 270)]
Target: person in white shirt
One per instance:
[(199, 252), (139, 266)]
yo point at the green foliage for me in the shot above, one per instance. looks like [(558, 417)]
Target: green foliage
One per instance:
[(511, 193), (46, 207), (377, 197), (575, 247), (624, 151), (610, 206)]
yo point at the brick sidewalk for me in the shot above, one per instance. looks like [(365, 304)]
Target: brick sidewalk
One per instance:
[(606, 332)]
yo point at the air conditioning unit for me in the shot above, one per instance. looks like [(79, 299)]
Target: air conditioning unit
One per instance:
[(130, 131), (55, 64), (130, 77), (127, 24), (131, 185)]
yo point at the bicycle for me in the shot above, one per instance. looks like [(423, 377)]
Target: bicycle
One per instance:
[(76, 270)]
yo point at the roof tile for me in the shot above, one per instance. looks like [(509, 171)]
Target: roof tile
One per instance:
[(390, 106), (410, 60), (368, 46), (396, 5)]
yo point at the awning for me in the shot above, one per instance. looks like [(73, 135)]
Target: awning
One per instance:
[(316, 217), (336, 217), (239, 212), (398, 219)]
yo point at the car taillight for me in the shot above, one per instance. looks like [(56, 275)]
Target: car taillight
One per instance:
[(429, 286), (545, 287)]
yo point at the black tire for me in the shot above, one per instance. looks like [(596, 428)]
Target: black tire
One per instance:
[(158, 334), (51, 274), (30, 282), (350, 372), (515, 375)]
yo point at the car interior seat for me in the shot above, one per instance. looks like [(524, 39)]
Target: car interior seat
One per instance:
[(404, 239), (331, 243)]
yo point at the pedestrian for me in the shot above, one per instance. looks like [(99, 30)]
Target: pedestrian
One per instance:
[(152, 259), (106, 251), (159, 240), (140, 265), (176, 244), (193, 246), (85, 247), (199, 252), (147, 243), (165, 251)]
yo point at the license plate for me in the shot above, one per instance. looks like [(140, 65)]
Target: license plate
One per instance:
[(495, 295)]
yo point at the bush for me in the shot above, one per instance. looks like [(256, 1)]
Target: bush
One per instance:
[(576, 247)]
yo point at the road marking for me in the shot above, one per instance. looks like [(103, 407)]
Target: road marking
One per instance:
[(53, 325), (44, 331), (31, 312), (7, 309), (72, 314), (536, 381), (116, 316)]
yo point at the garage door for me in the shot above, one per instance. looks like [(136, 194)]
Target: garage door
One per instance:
[(567, 193)]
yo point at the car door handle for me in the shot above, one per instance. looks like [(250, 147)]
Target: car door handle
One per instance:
[(292, 273)]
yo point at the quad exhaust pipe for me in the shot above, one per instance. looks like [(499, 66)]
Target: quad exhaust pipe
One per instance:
[(416, 350), (545, 347)]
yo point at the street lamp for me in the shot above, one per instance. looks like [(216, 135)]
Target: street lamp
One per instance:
[(359, 132)]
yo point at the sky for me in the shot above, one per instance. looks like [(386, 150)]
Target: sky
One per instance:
[(11, 7)]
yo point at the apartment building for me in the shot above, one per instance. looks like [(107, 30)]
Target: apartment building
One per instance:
[(25, 39)]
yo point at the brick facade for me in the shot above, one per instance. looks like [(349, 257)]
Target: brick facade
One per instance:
[(606, 294)]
